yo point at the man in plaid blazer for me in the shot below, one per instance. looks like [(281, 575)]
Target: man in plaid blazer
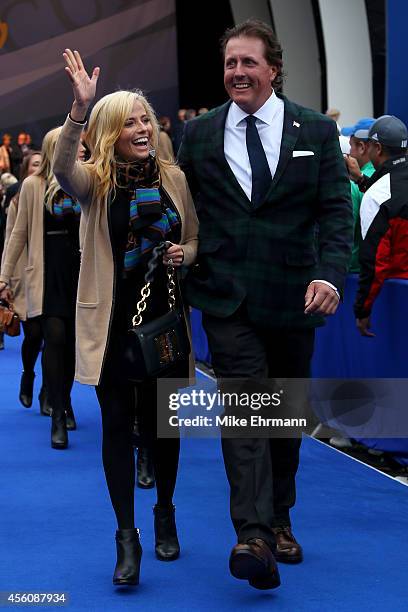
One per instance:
[(273, 200)]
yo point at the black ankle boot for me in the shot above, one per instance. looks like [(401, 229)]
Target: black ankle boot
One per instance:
[(167, 545), (129, 555), (59, 436), (45, 406), (145, 471), (26, 388), (70, 417)]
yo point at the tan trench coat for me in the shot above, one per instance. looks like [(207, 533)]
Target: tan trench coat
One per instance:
[(96, 278), (17, 281), (28, 231)]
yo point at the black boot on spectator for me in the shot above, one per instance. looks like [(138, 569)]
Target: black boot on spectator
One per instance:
[(136, 434), (45, 406), (59, 436), (70, 419), (145, 471), (167, 545), (129, 555), (26, 388)]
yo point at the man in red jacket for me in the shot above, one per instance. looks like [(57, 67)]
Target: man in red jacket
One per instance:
[(384, 215)]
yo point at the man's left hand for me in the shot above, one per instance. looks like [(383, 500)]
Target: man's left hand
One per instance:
[(321, 299)]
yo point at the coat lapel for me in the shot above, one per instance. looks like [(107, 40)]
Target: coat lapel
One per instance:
[(218, 126), (290, 134)]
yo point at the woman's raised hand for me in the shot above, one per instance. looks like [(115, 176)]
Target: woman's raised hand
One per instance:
[(83, 86)]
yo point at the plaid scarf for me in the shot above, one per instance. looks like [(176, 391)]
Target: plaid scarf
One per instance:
[(64, 205), (150, 221)]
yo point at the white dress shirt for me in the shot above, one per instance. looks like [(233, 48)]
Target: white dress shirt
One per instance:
[(269, 122)]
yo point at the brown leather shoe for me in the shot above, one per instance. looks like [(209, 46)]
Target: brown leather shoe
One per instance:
[(255, 562), (287, 549)]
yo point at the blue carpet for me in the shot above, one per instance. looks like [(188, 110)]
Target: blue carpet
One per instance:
[(57, 527)]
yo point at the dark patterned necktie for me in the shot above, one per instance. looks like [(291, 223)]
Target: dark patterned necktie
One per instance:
[(261, 174)]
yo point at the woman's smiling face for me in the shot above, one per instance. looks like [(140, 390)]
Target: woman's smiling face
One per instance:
[(135, 140)]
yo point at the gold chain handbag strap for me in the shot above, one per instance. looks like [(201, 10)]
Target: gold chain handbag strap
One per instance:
[(171, 285), (145, 291)]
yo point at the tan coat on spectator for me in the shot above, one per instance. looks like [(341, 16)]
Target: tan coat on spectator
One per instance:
[(28, 230), (17, 281), (96, 278), (165, 147)]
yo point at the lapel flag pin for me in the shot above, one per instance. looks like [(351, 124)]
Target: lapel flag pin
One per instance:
[(296, 124)]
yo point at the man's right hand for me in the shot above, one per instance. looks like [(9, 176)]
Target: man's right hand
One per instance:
[(83, 86)]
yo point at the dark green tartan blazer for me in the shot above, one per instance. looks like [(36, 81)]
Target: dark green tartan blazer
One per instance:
[(303, 230)]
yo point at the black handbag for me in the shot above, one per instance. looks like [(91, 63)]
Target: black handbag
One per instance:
[(153, 349)]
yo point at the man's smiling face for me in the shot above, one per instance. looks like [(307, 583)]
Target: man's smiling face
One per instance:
[(247, 75)]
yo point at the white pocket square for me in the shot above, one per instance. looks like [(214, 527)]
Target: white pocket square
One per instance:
[(302, 153)]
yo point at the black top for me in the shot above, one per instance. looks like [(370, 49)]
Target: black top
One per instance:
[(61, 264), (128, 285)]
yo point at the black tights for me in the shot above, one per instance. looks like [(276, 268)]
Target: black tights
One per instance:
[(31, 345), (118, 406), (59, 361)]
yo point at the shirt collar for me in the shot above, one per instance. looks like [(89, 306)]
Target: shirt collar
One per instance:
[(266, 113)]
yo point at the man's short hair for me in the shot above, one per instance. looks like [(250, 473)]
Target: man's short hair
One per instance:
[(254, 28)]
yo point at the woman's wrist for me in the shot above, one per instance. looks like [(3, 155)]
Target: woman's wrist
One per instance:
[(78, 112)]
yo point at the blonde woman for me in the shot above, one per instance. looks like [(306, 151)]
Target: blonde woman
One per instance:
[(48, 223), (33, 336), (120, 174)]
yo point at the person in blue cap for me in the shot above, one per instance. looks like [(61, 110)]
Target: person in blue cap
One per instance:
[(362, 124), (359, 153)]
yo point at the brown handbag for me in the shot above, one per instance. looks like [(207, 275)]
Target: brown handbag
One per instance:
[(9, 320)]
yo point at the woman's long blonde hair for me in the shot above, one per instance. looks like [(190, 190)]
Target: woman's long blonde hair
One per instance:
[(45, 168), (106, 122)]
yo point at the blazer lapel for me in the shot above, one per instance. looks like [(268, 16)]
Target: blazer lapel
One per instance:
[(290, 134), (218, 147)]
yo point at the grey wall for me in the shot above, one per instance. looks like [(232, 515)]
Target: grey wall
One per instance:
[(295, 28), (348, 57)]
